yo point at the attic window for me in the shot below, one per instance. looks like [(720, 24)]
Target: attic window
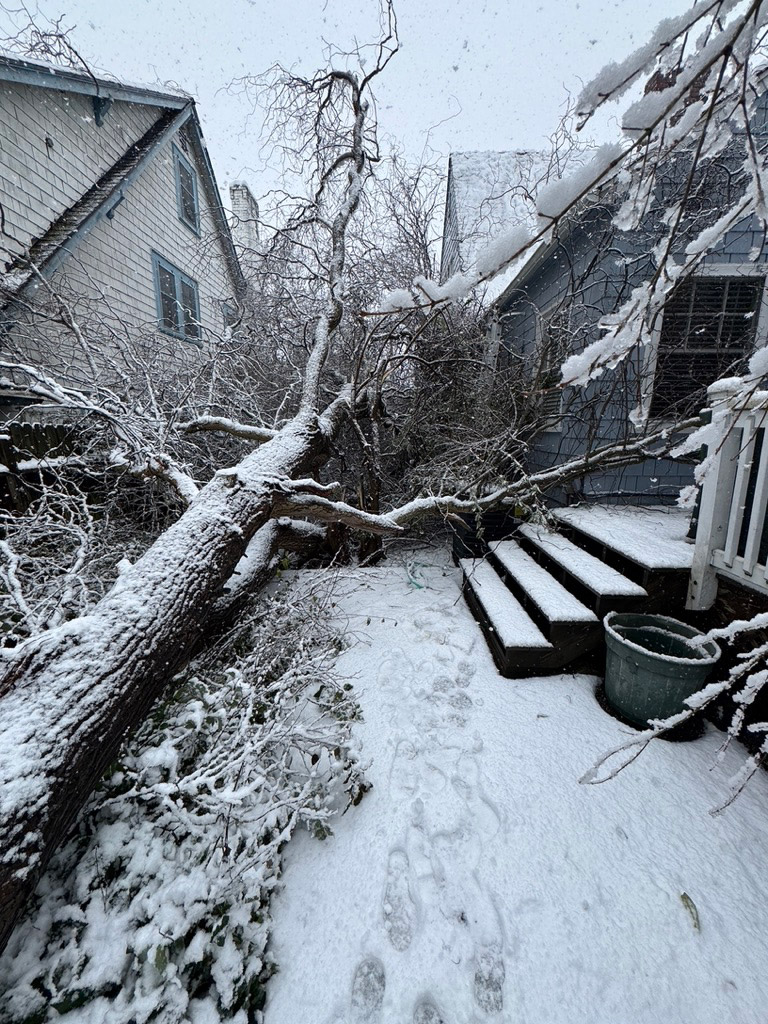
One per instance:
[(708, 328), (186, 191), (178, 300)]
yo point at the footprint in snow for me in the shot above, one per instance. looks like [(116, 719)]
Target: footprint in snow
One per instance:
[(396, 666), (467, 669), (427, 1013), (368, 991), (489, 978), (399, 911), (460, 701), (441, 684)]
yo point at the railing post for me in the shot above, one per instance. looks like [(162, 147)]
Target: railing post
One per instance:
[(716, 490)]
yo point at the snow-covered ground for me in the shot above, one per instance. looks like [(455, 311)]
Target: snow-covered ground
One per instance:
[(480, 881)]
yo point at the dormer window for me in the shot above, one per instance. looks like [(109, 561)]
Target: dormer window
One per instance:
[(186, 191)]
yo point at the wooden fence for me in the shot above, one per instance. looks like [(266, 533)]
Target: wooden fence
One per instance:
[(28, 450)]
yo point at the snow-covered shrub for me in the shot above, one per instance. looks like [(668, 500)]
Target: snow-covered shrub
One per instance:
[(157, 909)]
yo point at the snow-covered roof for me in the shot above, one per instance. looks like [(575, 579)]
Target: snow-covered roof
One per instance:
[(488, 194)]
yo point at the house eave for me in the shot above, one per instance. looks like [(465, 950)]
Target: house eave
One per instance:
[(539, 256), (560, 233), (26, 72)]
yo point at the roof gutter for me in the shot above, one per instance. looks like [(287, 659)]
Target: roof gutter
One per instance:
[(25, 72)]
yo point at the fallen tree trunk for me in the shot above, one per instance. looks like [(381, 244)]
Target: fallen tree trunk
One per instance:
[(70, 695)]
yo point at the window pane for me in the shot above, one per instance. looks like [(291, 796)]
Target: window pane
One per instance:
[(190, 306), (168, 305), (680, 301), (709, 295), (742, 297), (187, 194)]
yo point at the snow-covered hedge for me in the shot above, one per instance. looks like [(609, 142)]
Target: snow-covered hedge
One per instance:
[(157, 909)]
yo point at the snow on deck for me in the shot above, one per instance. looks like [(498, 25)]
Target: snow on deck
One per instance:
[(478, 880), (652, 537), (557, 603), (599, 577), (513, 625)]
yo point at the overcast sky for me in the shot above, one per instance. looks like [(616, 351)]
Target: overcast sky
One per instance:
[(472, 74)]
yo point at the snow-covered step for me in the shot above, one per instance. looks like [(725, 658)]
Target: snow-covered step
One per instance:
[(512, 626), (586, 575), (555, 603), (655, 538)]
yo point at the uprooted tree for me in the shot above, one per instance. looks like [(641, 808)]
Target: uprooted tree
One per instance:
[(69, 693)]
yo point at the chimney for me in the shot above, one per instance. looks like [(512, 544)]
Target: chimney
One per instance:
[(245, 216)]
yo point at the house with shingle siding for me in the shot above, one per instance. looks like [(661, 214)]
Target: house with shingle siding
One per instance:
[(109, 205)]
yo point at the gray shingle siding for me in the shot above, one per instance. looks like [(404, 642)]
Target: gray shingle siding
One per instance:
[(39, 182), (116, 257), (592, 271), (108, 271)]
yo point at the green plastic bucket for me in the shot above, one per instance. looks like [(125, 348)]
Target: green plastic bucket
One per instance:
[(650, 665)]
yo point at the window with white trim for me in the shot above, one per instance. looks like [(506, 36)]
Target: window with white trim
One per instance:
[(708, 327), (186, 191), (178, 300)]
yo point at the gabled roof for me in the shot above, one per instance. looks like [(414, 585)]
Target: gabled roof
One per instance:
[(494, 191), (175, 110)]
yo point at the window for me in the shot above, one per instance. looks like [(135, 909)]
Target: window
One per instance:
[(708, 327), (230, 316), (178, 303), (551, 346), (186, 191)]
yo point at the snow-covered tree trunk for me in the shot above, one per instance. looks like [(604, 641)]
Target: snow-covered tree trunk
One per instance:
[(69, 696)]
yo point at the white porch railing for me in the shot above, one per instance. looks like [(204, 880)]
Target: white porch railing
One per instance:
[(732, 532)]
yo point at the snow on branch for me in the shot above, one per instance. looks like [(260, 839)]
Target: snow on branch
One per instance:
[(314, 506), (615, 79), (246, 431), (165, 468)]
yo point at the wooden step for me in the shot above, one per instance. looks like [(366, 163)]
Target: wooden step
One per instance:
[(517, 644), (648, 545), (571, 627), (513, 626), (593, 582), (654, 538), (555, 603)]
